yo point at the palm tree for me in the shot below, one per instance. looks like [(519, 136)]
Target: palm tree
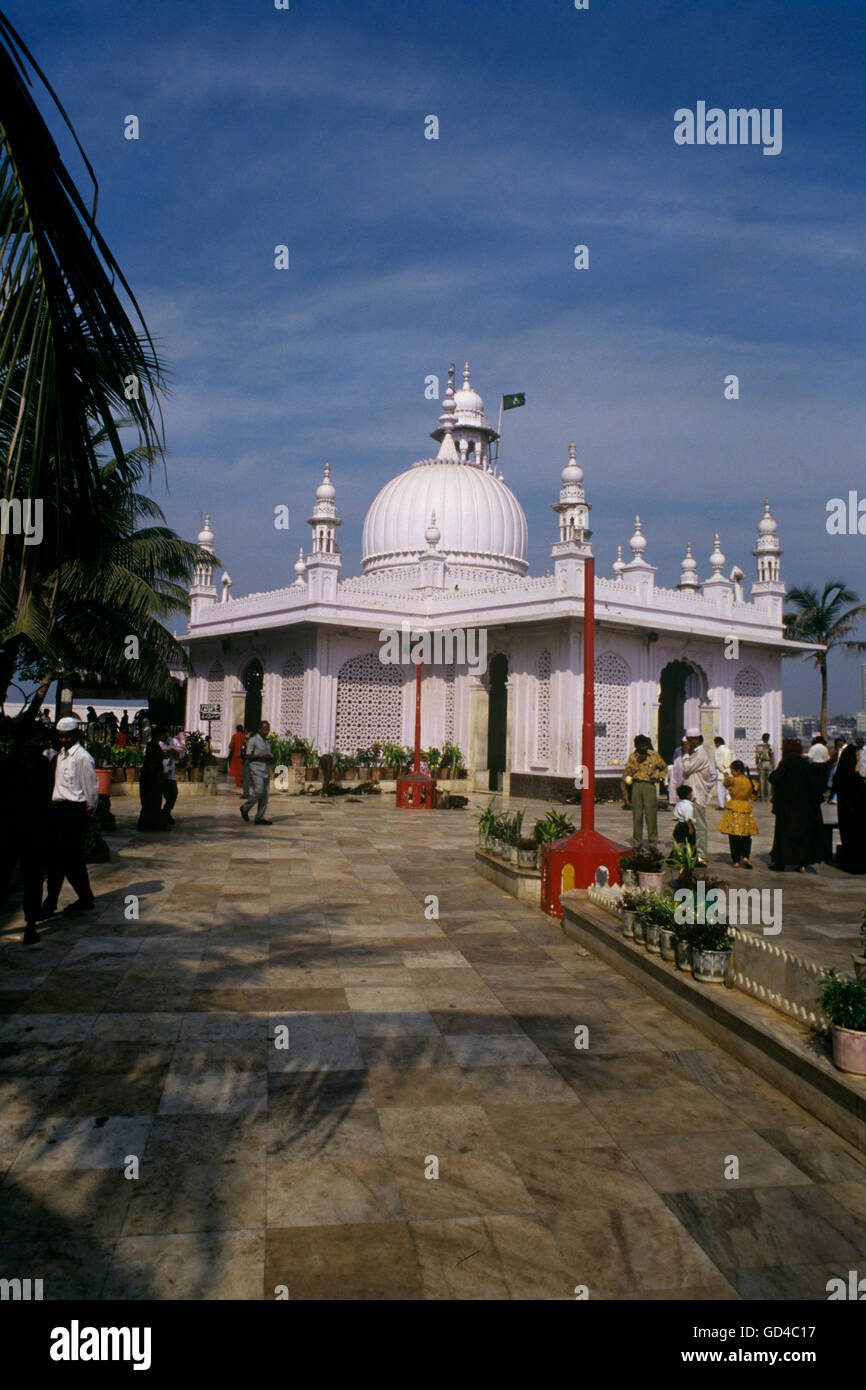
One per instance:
[(825, 620), (125, 580), (71, 357)]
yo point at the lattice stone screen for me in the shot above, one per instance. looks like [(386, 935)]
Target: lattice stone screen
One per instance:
[(542, 710), (216, 695), (612, 678), (748, 714), (292, 696), (369, 703), (450, 673)]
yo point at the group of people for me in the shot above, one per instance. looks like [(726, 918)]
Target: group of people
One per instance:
[(798, 786), (249, 761), (157, 786)]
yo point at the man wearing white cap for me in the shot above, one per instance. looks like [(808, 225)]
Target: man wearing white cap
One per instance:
[(75, 792), (701, 774)]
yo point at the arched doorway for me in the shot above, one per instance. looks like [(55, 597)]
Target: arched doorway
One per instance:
[(497, 720), (254, 678), (681, 690)]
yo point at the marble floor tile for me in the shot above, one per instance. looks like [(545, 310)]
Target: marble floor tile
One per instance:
[(371, 1260), (204, 1265), (332, 1192)]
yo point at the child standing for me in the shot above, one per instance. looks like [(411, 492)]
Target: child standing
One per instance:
[(738, 820), (684, 817)]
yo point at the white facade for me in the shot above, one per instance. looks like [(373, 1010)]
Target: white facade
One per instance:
[(444, 547)]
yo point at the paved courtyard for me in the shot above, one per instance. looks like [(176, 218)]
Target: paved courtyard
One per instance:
[(286, 1046)]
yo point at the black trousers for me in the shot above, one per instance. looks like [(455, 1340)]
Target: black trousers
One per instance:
[(169, 792), (741, 847), (66, 850)]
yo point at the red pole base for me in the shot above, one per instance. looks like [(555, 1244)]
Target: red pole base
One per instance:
[(572, 863)]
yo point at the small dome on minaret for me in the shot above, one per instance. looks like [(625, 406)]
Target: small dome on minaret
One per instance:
[(432, 535), (206, 535), (572, 472), (688, 569), (717, 559), (326, 492), (300, 564), (767, 549), (638, 543), (619, 563)]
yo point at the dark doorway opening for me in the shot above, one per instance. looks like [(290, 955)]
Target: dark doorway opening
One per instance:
[(497, 720), (253, 681), (680, 692)]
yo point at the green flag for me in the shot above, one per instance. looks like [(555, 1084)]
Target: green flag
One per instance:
[(512, 402)]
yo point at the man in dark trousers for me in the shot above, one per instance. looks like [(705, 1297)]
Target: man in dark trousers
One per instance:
[(75, 794), (28, 781)]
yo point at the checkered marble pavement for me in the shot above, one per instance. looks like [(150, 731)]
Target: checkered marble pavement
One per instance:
[(248, 1089)]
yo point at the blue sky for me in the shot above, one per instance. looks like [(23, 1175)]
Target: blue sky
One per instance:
[(306, 127)]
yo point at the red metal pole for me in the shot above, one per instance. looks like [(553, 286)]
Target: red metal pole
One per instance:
[(417, 767), (587, 744)]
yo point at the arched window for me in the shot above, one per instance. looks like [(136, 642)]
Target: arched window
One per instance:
[(612, 679), (369, 703)]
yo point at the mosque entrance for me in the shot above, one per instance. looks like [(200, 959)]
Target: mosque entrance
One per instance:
[(682, 689), (253, 681), (497, 720)]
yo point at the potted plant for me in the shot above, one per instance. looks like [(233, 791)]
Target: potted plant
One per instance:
[(512, 835), (346, 769), (196, 749), (712, 952), (118, 763), (657, 913), (362, 763), (101, 754), (298, 752), (527, 853), (632, 900), (134, 760), (311, 763), (497, 839), (683, 945), (860, 961), (392, 760), (451, 760), (650, 873), (552, 827), (844, 1003), (433, 758), (375, 751), (486, 821), (628, 872), (684, 859)]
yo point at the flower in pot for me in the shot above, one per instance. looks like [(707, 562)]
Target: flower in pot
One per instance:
[(486, 821), (658, 914), (650, 872), (844, 1003), (712, 952), (433, 758), (451, 760), (118, 763), (512, 832), (632, 902), (860, 961), (362, 763)]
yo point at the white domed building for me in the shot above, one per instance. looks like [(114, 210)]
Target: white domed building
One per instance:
[(444, 548)]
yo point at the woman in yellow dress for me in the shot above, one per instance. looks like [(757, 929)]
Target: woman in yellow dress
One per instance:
[(738, 820)]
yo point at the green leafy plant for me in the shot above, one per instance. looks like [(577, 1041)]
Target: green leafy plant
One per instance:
[(683, 857), (843, 1001), (196, 748), (392, 755), (134, 755), (363, 758), (375, 751), (646, 861), (311, 756), (552, 827), (707, 936), (339, 763), (659, 909), (432, 757), (487, 820), (512, 828), (451, 758), (633, 899)]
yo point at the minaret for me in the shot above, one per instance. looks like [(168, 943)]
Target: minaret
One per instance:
[(618, 564), (717, 585), (432, 563), (768, 591), (300, 570), (638, 571), (464, 431), (202, 591), (324, 560), (689, 582), (572, 508)]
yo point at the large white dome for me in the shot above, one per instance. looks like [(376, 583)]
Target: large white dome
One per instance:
[(482, 524)]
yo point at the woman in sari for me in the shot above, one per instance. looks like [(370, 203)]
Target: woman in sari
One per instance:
[(236, 766), (799, 834)]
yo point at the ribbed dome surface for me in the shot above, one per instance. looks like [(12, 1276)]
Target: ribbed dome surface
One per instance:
[(480, 520)]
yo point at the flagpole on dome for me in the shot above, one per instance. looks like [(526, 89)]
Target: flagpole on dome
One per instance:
[(510, 402)]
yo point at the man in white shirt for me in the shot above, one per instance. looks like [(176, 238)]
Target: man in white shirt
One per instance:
[(258, 757), (75, 795), (724, 756), (701, 774), (173, 748)]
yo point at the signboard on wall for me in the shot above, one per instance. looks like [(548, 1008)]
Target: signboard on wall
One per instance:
[(209, 712)]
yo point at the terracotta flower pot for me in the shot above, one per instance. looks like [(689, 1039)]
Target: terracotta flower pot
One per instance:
[(363, 774), (849, 1050), (310, 774), (350, 774), (103, 781), (297, 759), (118, 774), (375, 774), (651, 883), (130, 773)]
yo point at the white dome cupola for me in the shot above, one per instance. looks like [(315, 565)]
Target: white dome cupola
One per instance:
[(480, 523), (572, 507)]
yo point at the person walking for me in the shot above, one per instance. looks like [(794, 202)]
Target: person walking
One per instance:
[(75, 794), (702, 775), (150, 789), (172, 748), (738, 819), (644, 771), (27, 784), (258, 756), (236, 762), (723, 758), (799, 832), (764, 760), (850, 813)]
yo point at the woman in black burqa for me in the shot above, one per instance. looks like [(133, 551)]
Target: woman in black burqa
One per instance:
[(150, 788), (799, 835), (850, 792)]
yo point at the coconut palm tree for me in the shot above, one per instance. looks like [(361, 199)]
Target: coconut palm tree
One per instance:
[(74, 353), (827, 619)]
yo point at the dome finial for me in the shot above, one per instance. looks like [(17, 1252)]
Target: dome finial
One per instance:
[(717, 559), (466, 376), (432, 535), (205, 536), (619, 563), (638, 542), (688, 569)]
